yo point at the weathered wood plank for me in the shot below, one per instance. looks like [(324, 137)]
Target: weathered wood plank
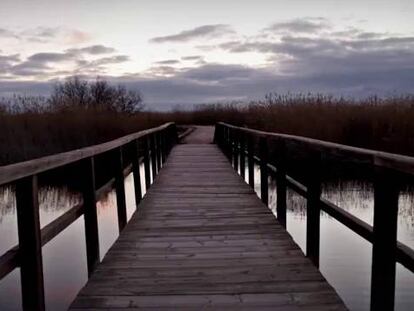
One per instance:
[(202, 239)]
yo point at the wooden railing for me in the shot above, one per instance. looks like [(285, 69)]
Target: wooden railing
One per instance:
[(119, 157), (302, 164)]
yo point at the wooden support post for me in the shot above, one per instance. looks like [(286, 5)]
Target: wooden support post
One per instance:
[(136, 172), (229, 145), (147, 163), (313, 210), (30, 244), (90, 214), (386, 191), (216, 138), (153, 156), (120, 189), (242, 155), (163, 146), (264, 183), (236, 150), (281, 185), (250, 160), (158, 148)]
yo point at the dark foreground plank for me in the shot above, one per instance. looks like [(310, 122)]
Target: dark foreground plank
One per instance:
[(202, 239)]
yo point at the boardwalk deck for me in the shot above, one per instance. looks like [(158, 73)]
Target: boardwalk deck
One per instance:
[(202, 239)]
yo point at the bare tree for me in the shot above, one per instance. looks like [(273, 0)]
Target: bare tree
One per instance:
[(97, 95)]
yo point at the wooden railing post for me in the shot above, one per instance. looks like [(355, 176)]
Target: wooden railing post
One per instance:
[(136, 172), (236, 150), (120, 188), (217, 134), (153, 156), (242, 154), (30, 245), (386, 191), (264, 183), (313, 185), (90, 214), (146, 144), (158, 143), (163, 146), (281, 185), (230, 144), (250, 160), (227, 149)]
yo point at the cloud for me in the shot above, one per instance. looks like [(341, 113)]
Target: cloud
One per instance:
[(347, 61), (221, 82), (218, 73), (7, 61), (50, 57), (47, 34), (168, 62), (51, 65), (193, 57), (111, 60), (205, 31), (93, 50), (97, 66), (6, 33), (300, 25)]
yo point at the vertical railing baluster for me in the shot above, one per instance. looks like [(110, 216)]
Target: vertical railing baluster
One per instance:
[(250, 159), (120, 188), (153, 156), (264, 183), (30, 244), (163, 146), (136, 172), (236, 150), (158, 143), (90, 214), (281, 184), (313, 185), (229, 145), (231, 150), (386, 192), (242, 154), (146, 150)]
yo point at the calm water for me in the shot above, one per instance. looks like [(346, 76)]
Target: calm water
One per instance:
[(345, 258), (64, 258)]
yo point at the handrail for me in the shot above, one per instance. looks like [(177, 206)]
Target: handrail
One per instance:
[(150, 147), (19, 170), (273, 151), (402, 163)]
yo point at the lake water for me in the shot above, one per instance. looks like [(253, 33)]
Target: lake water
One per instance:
[(345, 258)]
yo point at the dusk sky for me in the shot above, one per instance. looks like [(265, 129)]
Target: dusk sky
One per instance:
[(190, 52)]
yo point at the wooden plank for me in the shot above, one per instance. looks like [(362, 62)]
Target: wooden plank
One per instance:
[(202, 238)]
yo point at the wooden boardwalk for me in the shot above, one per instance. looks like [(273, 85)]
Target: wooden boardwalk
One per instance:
[(202, 239)]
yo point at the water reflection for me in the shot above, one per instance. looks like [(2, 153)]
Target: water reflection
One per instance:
[(345, 258), (64, 258)]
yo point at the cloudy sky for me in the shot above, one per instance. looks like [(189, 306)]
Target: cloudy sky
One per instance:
[(188, 51)]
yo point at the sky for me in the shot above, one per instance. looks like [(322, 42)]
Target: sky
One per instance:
[(190, 52)]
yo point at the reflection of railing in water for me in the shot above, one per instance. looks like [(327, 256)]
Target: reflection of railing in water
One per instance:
[(283, 156), (125, 155)]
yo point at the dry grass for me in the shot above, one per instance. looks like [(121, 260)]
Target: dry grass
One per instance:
[(381, 124), (385, 124)]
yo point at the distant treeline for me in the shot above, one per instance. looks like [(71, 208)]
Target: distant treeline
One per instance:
[(80, 113)]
